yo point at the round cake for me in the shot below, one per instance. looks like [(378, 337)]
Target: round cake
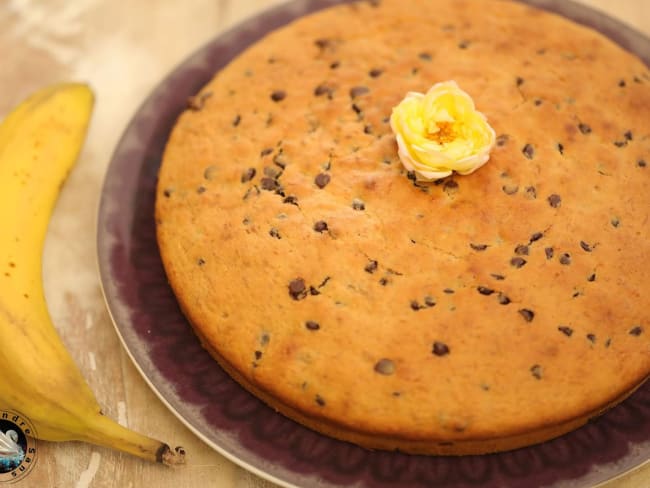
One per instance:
[(472, 314)]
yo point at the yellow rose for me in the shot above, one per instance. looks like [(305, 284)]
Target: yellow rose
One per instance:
[(440, 132)]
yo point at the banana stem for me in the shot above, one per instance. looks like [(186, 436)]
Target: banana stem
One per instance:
[(107, 433)]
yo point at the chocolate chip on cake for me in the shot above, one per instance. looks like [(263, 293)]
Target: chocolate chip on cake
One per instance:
[(586, 247), (478, 247), (429, 301), (637, 330), (274, 232), (528, 151), (320, 400), (415, 305), (200, 262), (565, 259), (530, 192), (527, 314), (320, 226), (357, 91), (522, 250), (371, 267), (591, 338), (297, 289), (584, 128), (554, 200), (510, 189), (358, 204), (269, 184), (236, 120), (248, 175), (375, 73), (502, 139), (484, 290), (385, 366), (278, 95), (517, 262), (321, 180), (290, 199), (536, 371), (641, 163), (503, 299), (312, 325), (567, 331), (440, 349), (549, 252)]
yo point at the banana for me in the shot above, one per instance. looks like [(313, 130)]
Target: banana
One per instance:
[(40, 141)]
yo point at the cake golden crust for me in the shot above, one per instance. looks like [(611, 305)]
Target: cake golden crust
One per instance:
[(476, 314)]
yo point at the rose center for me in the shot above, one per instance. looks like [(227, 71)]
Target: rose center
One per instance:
[(445, 133)]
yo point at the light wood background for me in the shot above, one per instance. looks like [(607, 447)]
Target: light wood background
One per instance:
[(123, 48)]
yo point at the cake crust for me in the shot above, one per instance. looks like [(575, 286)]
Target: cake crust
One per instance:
[(476, 314)]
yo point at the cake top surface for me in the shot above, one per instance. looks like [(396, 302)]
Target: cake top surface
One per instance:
[(317, 267)]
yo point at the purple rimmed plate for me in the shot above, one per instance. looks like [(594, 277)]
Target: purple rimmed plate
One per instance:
[(236, 424)]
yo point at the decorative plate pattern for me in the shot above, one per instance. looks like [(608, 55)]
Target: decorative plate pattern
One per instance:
[(232, 421)]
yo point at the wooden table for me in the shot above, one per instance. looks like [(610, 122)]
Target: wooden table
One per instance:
[(123, 49)]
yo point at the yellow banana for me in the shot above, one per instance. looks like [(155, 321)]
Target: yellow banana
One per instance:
[(40, 141)]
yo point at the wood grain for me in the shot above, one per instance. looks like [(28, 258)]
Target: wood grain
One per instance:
[(123, 49)]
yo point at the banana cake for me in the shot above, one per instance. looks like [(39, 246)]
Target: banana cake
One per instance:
[(471, 314)]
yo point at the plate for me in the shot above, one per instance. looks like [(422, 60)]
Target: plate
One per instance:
[(229, 419)]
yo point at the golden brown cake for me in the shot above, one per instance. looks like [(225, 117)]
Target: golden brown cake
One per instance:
[(473, 314)]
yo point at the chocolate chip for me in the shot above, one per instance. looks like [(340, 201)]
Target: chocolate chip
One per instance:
[(385, 366), (274, 232), (522, 250), (519, 80), (323, 89), (565, 259), (248, 175), (584, 128), (536, 371), (415, 305), (357, 110), (290, 199), (591, 338), (383, 281), (463, 44), (258, 355), (536, 237), (478, 247), (313, 291), (376, 72), (483, 290), (200, 189), (527, 314), (503, 299), (528, 151), (321, 180), (621, 83), (448, 291), (357, 91), (586, 247), (517, 262), (358, 204), (320, 400), (538, 102), (554, 200), (567, 331), (497, 277), (297, 289), (266, 151), (425, 56), (320, 226), (371, 267), (323, 43), (440, 349), (335, 65), (560, 148), (620, 143), (367, 129), (615, 222), (502, 140), (510, 189), (608, 342), (636, 330), (168, 192), (429, 301), (278, 95), (311, 325), (628, 135), (210, 173), (200, 262), (269, 184), (591, 277), (530, 192), (549, 252), (236, 120)]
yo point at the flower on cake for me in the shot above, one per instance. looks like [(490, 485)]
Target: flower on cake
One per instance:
[(440, 132)]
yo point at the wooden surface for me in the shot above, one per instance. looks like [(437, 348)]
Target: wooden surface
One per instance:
[(123, 49)]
